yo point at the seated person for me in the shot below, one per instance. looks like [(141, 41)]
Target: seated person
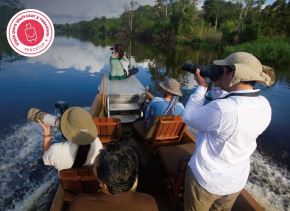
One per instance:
[(169, 105), (82, 145), (116, 169), (119, 64)]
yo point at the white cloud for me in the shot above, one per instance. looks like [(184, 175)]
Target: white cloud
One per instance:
[(72, 53)]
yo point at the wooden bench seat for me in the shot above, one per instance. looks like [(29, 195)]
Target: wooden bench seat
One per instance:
[(109, 128), (78, 180)]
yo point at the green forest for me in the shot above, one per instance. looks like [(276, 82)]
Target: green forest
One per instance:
[(240, 25), (231, 25)]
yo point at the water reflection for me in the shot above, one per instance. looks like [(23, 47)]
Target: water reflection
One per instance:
[(72, 53)]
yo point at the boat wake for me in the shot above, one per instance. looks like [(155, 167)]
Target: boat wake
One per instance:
[(269, 183), (25, 182)]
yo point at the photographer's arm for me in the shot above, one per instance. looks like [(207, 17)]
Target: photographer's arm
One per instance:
[(198, 116), (205, 118), (46, 136)]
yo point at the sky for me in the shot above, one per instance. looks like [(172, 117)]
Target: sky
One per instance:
[(62, 11), (68, 11)]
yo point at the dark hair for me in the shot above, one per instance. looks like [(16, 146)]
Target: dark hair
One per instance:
[(119, 49), (252, 83), (117, 167)]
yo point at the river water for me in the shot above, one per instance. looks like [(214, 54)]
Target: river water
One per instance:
[(71, 71)]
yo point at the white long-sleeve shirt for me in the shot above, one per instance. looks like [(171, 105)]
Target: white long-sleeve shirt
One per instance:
[(62, 155), (228, 129)]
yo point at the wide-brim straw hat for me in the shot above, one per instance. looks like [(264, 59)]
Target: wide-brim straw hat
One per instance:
[(248, 68), (172, 86), (77, 126)]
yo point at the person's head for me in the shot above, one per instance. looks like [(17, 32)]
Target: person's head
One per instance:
[(116, 168), (170, 87), (244, 68), (77, 126), (118, 50)]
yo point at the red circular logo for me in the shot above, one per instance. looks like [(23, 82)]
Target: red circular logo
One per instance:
[(30, 32)]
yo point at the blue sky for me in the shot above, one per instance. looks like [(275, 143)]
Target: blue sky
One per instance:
[(62, 11)]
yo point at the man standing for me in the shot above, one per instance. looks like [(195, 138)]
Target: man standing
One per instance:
[(228, 128)]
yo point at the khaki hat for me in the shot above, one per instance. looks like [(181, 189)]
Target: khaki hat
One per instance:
[(77, 126), (171, 85), (248, 68)]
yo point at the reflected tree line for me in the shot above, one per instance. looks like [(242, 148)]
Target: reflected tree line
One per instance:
[(223, 24)]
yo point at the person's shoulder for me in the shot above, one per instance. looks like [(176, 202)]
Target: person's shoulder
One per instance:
[(64, 145), (223, 103), (145, 199), (58, 146), (80, 201), (158, 99), (83, 197), (264, 100)]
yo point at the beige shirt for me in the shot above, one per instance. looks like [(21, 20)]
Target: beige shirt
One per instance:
[(62, 155)]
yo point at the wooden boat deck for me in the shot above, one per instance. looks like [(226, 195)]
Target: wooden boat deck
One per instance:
[(152, 176)]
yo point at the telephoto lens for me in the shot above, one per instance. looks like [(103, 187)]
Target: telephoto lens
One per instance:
[(211, 71), (190, 67), (35, 114)]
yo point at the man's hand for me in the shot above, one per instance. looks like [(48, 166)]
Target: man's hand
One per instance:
[(199, 79)]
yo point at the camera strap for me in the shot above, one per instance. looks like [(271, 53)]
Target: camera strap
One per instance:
[(243, 94)]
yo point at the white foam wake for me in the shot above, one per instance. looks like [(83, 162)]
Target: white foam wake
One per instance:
[(37, 199), (23, 176), (269, 183)]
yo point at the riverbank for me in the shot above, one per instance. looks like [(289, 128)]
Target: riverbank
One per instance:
[(267, 49)]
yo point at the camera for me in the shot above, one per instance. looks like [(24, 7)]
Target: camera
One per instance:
[(213, 72), (35, 114)]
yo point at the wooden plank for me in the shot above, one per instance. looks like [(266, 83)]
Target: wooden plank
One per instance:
[(172, 130), (246, 202), (57, 202)]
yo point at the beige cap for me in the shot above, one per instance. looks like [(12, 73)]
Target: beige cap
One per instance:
[(77, 126), (171, 85), (248, 68)]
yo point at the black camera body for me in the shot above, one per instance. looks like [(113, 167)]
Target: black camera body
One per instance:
[(213, 72)]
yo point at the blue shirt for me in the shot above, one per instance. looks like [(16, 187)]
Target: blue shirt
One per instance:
[(157, 107)]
